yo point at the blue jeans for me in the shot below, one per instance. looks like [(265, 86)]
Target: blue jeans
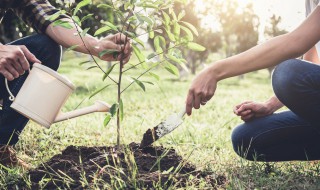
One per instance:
[(288, 135), (11, 122)]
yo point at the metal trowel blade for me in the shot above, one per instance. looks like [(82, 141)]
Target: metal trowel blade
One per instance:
[(162, 129)]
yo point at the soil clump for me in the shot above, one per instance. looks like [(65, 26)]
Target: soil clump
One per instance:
[(80, 167)]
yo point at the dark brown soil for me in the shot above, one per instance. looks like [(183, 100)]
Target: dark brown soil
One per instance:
[(128, 168), (149, 137)]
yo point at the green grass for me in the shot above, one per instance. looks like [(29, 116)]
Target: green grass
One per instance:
[(206, 134)]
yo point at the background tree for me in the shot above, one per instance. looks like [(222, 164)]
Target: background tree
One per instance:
[(239, 26), (272, 30), (210, 39)]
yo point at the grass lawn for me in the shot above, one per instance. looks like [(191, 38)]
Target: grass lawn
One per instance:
[(203, 138)]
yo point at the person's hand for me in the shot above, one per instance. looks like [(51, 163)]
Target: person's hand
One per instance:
[(201, 90), (14, 60), (248, 110), (118, 42)]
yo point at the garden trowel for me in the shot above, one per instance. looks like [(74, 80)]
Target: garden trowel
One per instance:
[(165, 127)]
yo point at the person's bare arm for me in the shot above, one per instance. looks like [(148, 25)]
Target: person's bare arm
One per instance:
[(69, 37), (268, 54), (312, 55)]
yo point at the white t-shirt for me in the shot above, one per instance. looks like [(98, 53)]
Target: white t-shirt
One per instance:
[(310, 5)]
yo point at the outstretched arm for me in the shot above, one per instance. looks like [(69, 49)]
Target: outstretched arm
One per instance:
[(268, 54)]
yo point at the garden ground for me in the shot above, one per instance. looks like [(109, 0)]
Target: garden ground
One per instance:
[(203, 139)]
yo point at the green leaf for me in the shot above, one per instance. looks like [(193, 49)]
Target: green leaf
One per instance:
[(76, 19), (80, 5), (172, 69), (139, 41), (181, 15), (106, 120), (106, 6), (62, 23), (55, 16), (146, 19), (166, 18), (148, 82), (114, 109), (72, 47), (83, 62), (174, 59), (154, 76), (101, 30), (130, 34), (84, 32), (191, 27), (139, 83), (121, 109), (184, 67), (152, 55), (98, 91), (108, 72), (156, 44), (147, 5), (151, 34), (170, 35), (176, 29), (127, 5), (195, 47), (91, 67), (188, 32), (138, 53), (86, 17), (107, 51), (174, 16), (112, 26)]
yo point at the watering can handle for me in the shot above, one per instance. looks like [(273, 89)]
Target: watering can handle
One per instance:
[(11, 97)]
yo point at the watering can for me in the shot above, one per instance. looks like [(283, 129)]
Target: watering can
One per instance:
[(44, 93)]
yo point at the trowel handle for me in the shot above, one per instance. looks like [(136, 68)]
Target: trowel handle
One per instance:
[(182, 112), (11, 97)]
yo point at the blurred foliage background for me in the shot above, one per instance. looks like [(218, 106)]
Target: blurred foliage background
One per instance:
[(230, 30)]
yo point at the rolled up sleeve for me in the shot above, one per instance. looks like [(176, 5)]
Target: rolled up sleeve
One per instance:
[(37, 14)]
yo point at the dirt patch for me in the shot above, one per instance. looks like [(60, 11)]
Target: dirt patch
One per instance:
[(128, 168), (149, 137)]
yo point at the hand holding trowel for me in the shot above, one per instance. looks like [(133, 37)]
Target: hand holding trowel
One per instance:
[(165, 127)]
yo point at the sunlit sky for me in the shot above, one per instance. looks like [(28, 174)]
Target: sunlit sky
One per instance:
[(291, 11)]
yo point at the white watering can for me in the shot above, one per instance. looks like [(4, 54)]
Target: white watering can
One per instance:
[(44, 93)]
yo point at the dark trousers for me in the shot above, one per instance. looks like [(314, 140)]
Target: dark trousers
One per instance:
[(288, 135), (11, 122)]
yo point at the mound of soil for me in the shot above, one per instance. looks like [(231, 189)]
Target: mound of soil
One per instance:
[(126, 168)]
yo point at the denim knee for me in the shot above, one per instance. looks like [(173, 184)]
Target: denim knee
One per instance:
[(287, 79), (242, 141), (52, 51), (44, 48)]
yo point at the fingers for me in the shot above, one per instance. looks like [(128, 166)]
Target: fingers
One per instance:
[(189, 102), (120, 38), (12, 71), (27, 56), (243, 107), (245, 102), (7, 74), (248, 117), (18, 67)]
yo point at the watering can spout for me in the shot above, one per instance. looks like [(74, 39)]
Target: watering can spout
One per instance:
[(98, 106)]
